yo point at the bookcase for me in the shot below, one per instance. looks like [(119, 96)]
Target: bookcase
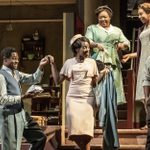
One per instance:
[(32, 47), (48, 105)]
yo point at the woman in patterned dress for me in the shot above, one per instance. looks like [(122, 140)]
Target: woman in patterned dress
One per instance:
[(106, 40), (82, 73)]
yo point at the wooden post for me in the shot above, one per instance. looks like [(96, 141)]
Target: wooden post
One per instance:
[(68, 32), (130, 98)]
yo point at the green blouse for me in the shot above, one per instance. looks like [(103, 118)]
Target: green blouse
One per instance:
[(109, 39)]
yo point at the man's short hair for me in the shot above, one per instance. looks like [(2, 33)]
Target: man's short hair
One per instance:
[(7, 51)]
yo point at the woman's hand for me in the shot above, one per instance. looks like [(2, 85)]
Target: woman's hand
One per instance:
[(126, 57), (105, 71), (51, 59), (100, 47), (43, 62), (122, 46)]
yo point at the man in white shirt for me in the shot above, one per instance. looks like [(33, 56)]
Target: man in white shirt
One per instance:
[(14, 121)]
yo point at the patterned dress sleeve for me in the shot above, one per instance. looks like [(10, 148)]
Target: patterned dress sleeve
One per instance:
[(89, 33), (123, 39)]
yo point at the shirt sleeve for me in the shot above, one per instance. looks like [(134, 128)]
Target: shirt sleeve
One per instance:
[(31, 78), (65, 70), (6, 99)]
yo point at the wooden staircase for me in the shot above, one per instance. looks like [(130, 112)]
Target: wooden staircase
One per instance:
[(130, 139)]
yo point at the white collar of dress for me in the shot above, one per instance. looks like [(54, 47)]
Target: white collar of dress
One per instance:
[(107, 30)]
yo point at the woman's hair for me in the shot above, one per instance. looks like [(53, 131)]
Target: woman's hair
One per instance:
[(77, 44), (145, 7), (6, 52), (104, 8)]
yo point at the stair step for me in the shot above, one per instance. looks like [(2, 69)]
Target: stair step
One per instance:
[(130, 139), (99, 147), (121, 131), (124, 131)]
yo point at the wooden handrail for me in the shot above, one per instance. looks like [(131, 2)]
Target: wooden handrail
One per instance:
[(129, 83)]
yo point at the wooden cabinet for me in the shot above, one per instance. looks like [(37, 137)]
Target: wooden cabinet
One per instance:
[(48, 104)]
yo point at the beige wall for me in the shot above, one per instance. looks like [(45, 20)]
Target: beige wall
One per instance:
[(89, 15)]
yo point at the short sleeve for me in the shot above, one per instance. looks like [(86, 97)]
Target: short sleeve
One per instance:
[(65, 70), (123, 39), (89, 33)]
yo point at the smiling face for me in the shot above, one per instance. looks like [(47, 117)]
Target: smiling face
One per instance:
[(84, 51), (12, 61), (104, 19), (143, 16)]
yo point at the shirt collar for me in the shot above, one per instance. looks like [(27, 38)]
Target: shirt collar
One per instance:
[(8, 70)]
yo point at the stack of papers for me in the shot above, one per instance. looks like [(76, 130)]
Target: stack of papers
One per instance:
[(35, 89)]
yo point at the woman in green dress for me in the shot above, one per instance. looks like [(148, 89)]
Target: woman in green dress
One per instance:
[(106, 40)]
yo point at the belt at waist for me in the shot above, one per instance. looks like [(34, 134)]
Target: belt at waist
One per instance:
[(14, 106), (12, 109)]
